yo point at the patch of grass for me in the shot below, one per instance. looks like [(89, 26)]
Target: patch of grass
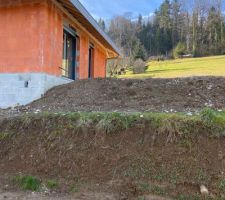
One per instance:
[(189, 197), (112, 122), (201, 177), (208, 66), (143, 167), (157, 190), (176, 174), (51, 184), (222, 185), (75, 189), (196, 197), (172, 122), (186, 142), (214, 120), (3, 135), (28, 182), (141, 198), (145, 187), (159, 176)]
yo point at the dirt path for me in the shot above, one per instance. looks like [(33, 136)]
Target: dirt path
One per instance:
[(39, 196), (86, 196)]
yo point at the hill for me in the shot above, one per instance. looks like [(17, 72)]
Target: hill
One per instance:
[(207, 66)]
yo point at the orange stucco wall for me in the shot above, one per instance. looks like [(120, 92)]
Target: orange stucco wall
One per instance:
[(100, 62), (32, 39)]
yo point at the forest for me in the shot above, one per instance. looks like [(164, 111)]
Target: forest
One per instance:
[(177, 28)]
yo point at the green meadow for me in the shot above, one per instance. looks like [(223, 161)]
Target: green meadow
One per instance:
[(206, 66)]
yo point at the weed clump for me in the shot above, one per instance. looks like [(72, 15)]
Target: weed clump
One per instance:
[(213, 120), (28, 182), (51, 184), (115, 122), (3, 135)]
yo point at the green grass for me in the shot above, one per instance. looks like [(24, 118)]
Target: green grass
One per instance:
[(114, 122), (207, 66), (222, 185), (28, 182), (51, 184), (3, 135)]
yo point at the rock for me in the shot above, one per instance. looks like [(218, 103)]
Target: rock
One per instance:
[(204, 191)]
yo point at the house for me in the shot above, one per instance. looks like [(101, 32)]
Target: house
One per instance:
[(45, 43)]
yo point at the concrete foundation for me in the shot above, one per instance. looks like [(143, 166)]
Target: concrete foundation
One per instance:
[(23, 88)]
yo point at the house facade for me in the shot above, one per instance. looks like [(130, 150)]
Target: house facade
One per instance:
[(45, 43)]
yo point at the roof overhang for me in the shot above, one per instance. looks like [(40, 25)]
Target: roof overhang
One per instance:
[(78, 11)]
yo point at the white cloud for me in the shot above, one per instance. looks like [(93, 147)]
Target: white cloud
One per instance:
[(145, 18)]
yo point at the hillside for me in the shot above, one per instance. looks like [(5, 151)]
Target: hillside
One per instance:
[(117, 138), (128, 155), (206, 66)]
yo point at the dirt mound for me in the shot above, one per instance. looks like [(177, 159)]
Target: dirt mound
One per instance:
[(186, 94), (130, 154)]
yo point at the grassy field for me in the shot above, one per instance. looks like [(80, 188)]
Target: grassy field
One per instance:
[(207, 66)]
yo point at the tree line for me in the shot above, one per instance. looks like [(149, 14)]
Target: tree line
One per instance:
[(177, 27)]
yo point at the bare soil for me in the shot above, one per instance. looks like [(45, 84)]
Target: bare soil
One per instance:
[(40, 196), (128, 163), (84, 196), (180, 94), (139, 161)]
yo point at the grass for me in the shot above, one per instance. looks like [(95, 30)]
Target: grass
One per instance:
[(115, 122), (207, 66), (32, 183), (3, 135), (222, 185), (197, 197), (28, 182), (51, 184), (151, 188)]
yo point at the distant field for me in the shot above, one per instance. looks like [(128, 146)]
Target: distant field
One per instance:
[(207, 66)]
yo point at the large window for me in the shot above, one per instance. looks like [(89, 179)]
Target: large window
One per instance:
[(69, 55)]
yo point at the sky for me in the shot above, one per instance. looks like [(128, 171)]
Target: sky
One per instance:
[(107, 9)]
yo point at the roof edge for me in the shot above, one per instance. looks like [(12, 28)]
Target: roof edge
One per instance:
[(95, 24)]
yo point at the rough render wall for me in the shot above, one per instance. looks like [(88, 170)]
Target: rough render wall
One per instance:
[(32, 39), (52, 39), (99, 57), (18, 53), (100, 63), (84, 48)]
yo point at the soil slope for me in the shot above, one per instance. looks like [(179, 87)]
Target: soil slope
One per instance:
[(186, 94), (126, 155)]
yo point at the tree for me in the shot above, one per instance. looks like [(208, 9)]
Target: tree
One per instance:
[(179, 50), (139, 51), (101, 23), (198, 25)]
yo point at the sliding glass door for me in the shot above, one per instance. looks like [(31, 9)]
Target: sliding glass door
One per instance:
[(69, 55)]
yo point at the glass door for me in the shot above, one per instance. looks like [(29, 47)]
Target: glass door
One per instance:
[(69, 55), (91, 63)]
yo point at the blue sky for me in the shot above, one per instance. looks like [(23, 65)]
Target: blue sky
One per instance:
[(108, 8)]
